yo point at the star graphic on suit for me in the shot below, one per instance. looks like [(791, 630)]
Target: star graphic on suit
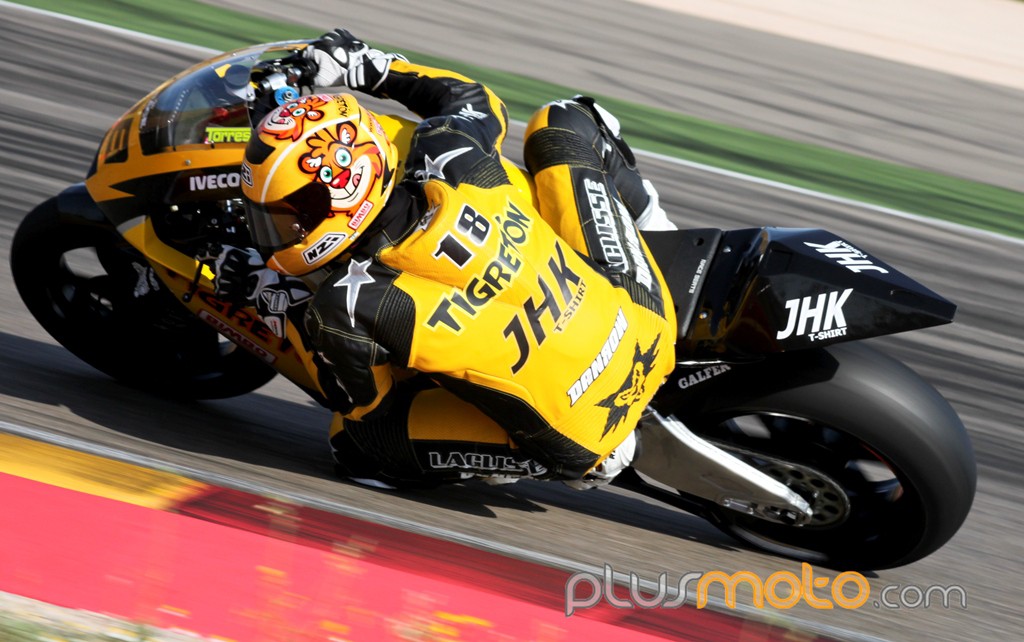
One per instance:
[(435, 167), (632, 389), (356, 278)]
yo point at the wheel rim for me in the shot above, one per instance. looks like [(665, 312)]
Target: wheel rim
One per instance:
[(827, 499), (860, 498), (84, 297), (103, 289)]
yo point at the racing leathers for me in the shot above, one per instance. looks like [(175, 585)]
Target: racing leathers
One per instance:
[(491, 322)]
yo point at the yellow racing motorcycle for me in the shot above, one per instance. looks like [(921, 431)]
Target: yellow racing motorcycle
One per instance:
[(777, 425)]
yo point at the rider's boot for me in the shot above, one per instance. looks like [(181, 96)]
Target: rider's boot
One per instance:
[(654, 218), (617, 461)]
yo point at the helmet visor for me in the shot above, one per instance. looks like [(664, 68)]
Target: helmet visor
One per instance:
[(281, 224)]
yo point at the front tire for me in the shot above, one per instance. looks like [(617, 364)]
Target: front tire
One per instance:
[(883, 459), (98, 297)]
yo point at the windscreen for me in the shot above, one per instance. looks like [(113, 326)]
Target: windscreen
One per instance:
[(206, 105)]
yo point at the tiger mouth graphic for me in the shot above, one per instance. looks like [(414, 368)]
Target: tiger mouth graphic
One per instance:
[(349, 188)]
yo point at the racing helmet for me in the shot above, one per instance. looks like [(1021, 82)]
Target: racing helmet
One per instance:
[(316, 173)]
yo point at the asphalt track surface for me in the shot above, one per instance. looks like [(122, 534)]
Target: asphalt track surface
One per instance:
[(66, 83)]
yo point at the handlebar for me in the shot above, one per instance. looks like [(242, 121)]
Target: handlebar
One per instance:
[(278, 82), (296, 70)]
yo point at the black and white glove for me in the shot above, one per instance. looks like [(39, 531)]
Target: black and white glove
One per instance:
[(235, 272), (343, 59), (241, 276)]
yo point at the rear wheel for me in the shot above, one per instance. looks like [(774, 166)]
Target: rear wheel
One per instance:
[(881, 457), (98, 297)]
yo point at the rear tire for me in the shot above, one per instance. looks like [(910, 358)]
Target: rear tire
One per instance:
[(97, 296), (881, 456)]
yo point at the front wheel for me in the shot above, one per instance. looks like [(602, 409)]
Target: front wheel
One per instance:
[(98, 297), (882, 458)]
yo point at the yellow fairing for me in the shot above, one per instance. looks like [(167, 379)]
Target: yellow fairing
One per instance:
[(102, 184), (241, 325)]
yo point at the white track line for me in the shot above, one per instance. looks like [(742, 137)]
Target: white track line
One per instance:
[(917, 218)]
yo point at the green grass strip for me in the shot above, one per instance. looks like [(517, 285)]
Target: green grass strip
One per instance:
[(769, 157)]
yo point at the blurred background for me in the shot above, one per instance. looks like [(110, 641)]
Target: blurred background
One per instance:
[(896, 125)]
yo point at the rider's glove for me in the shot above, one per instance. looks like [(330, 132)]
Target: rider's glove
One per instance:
[(241, 276), (275, 293), (343, 59), (235, 272)]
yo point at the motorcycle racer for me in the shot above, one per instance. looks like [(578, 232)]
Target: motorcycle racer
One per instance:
[(471, 324)]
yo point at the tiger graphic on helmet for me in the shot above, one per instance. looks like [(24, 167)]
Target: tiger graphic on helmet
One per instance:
[(349, 169), (322, 168), (289, 121)]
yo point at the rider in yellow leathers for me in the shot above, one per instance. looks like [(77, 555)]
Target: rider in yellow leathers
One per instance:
[(472, 324)]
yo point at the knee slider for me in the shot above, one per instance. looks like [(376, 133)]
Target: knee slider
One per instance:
[(563, 132)]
